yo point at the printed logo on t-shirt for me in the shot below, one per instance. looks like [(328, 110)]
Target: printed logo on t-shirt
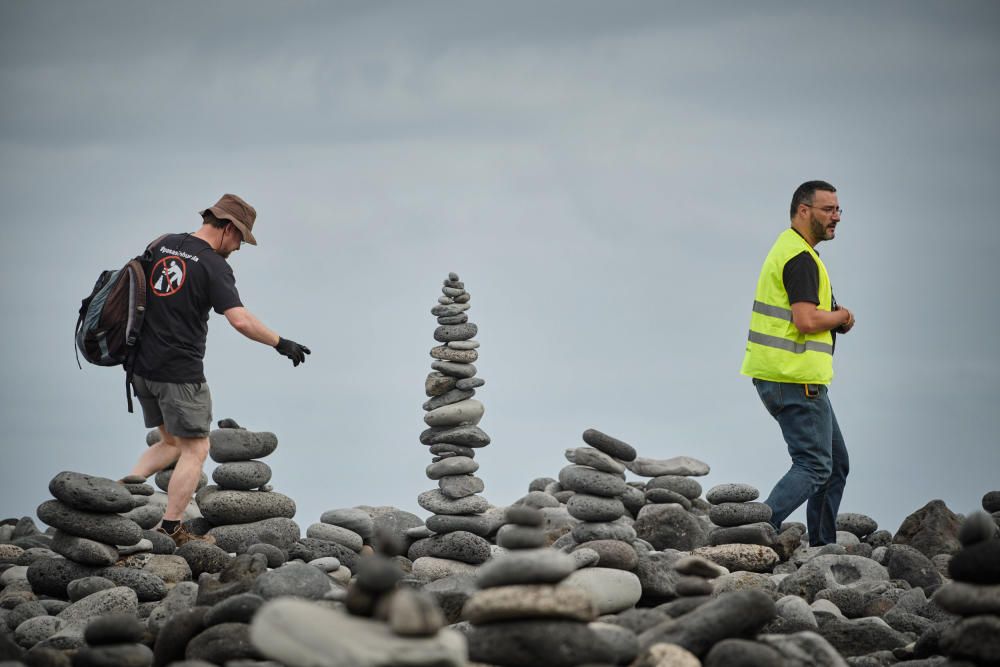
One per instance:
[(167, 275)]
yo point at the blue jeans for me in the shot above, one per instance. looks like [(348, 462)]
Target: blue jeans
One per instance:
[(819, 457)]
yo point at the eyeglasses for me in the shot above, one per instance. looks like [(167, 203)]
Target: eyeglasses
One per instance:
[(829, 210)]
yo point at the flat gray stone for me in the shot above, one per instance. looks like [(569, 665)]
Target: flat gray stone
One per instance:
[(336, 534), (460, 486), (469, 383), (82, 550), (242, 475), (458, 545), (512, 536), (751, 533), (553, 643), (455, 465), (351, 518), (678, 465), (447, 398), (685, 486), (237, 538), (454, 369), (968, 599), (732, 493), (508, 603), (463, 344), (449, 310), (456, 332), (609, 445), (583, 479), (446, 353), (466, 436), (146, 516), (587, 507), (742, 557), (739, 514), (118, 599), (35, 630), (461, 318), (295, 579), (526, 566), (107, 528), (89, 493), (437, 503), (467, 412), (147, 586), (228, 507), (587, 531), (661, 496), (595, 458), (611, 590), (477, 524), (233, 444)]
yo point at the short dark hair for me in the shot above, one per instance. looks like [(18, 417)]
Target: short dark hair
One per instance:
[(804, 194), (209, 219)]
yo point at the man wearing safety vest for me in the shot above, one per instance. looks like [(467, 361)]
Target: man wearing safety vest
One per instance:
[(789, 355)]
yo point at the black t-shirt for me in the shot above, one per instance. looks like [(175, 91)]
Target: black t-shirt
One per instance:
[(186, 279), (801, 279)]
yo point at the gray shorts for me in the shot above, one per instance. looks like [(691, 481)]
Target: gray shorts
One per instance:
[(185, 409)]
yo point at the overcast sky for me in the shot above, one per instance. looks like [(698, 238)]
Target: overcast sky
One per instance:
[(605, 177)]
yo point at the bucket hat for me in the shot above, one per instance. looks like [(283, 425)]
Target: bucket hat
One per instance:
[(235, 210)]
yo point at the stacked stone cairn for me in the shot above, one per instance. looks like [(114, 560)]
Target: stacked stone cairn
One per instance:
[(523, 615), (89, 527), (458, 527), (974, 592), (743, 538), (241, 508)]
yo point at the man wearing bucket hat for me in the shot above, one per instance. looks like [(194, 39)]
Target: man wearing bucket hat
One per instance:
[(189, 276)]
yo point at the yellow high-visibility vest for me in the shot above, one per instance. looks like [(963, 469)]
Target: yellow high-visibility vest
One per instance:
[(776, 349)]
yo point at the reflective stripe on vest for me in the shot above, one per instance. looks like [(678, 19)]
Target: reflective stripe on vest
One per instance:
[(776, 350)]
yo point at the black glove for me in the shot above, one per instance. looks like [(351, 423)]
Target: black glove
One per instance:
[(297, 353)]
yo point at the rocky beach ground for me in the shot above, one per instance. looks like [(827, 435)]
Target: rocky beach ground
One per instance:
[(617, 560)]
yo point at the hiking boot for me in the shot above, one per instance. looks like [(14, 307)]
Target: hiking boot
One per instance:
[(182, 536)]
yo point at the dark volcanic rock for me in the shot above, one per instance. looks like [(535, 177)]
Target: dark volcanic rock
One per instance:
[(238, 576), (860, 636), (610, 446), (976, 638), (118, 655), (282, 532), (175, 634), (238, 507), (742, 653), (670, 527), (536, 642), (230, 444), (296, 579), (910, 565), (148, 587), (221, 643), (90, 494), (978, 564), (114, 629), (458, 545), (242, 475), (310, 548), (739, 614), (107, 528), (203, 557), (237, 609), (932, 530), (50, 576)]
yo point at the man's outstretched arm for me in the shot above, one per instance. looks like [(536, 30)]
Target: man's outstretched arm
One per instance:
[(247, 324)]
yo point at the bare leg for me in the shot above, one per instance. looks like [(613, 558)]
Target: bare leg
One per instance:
[(187, 472), (159, 456)]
